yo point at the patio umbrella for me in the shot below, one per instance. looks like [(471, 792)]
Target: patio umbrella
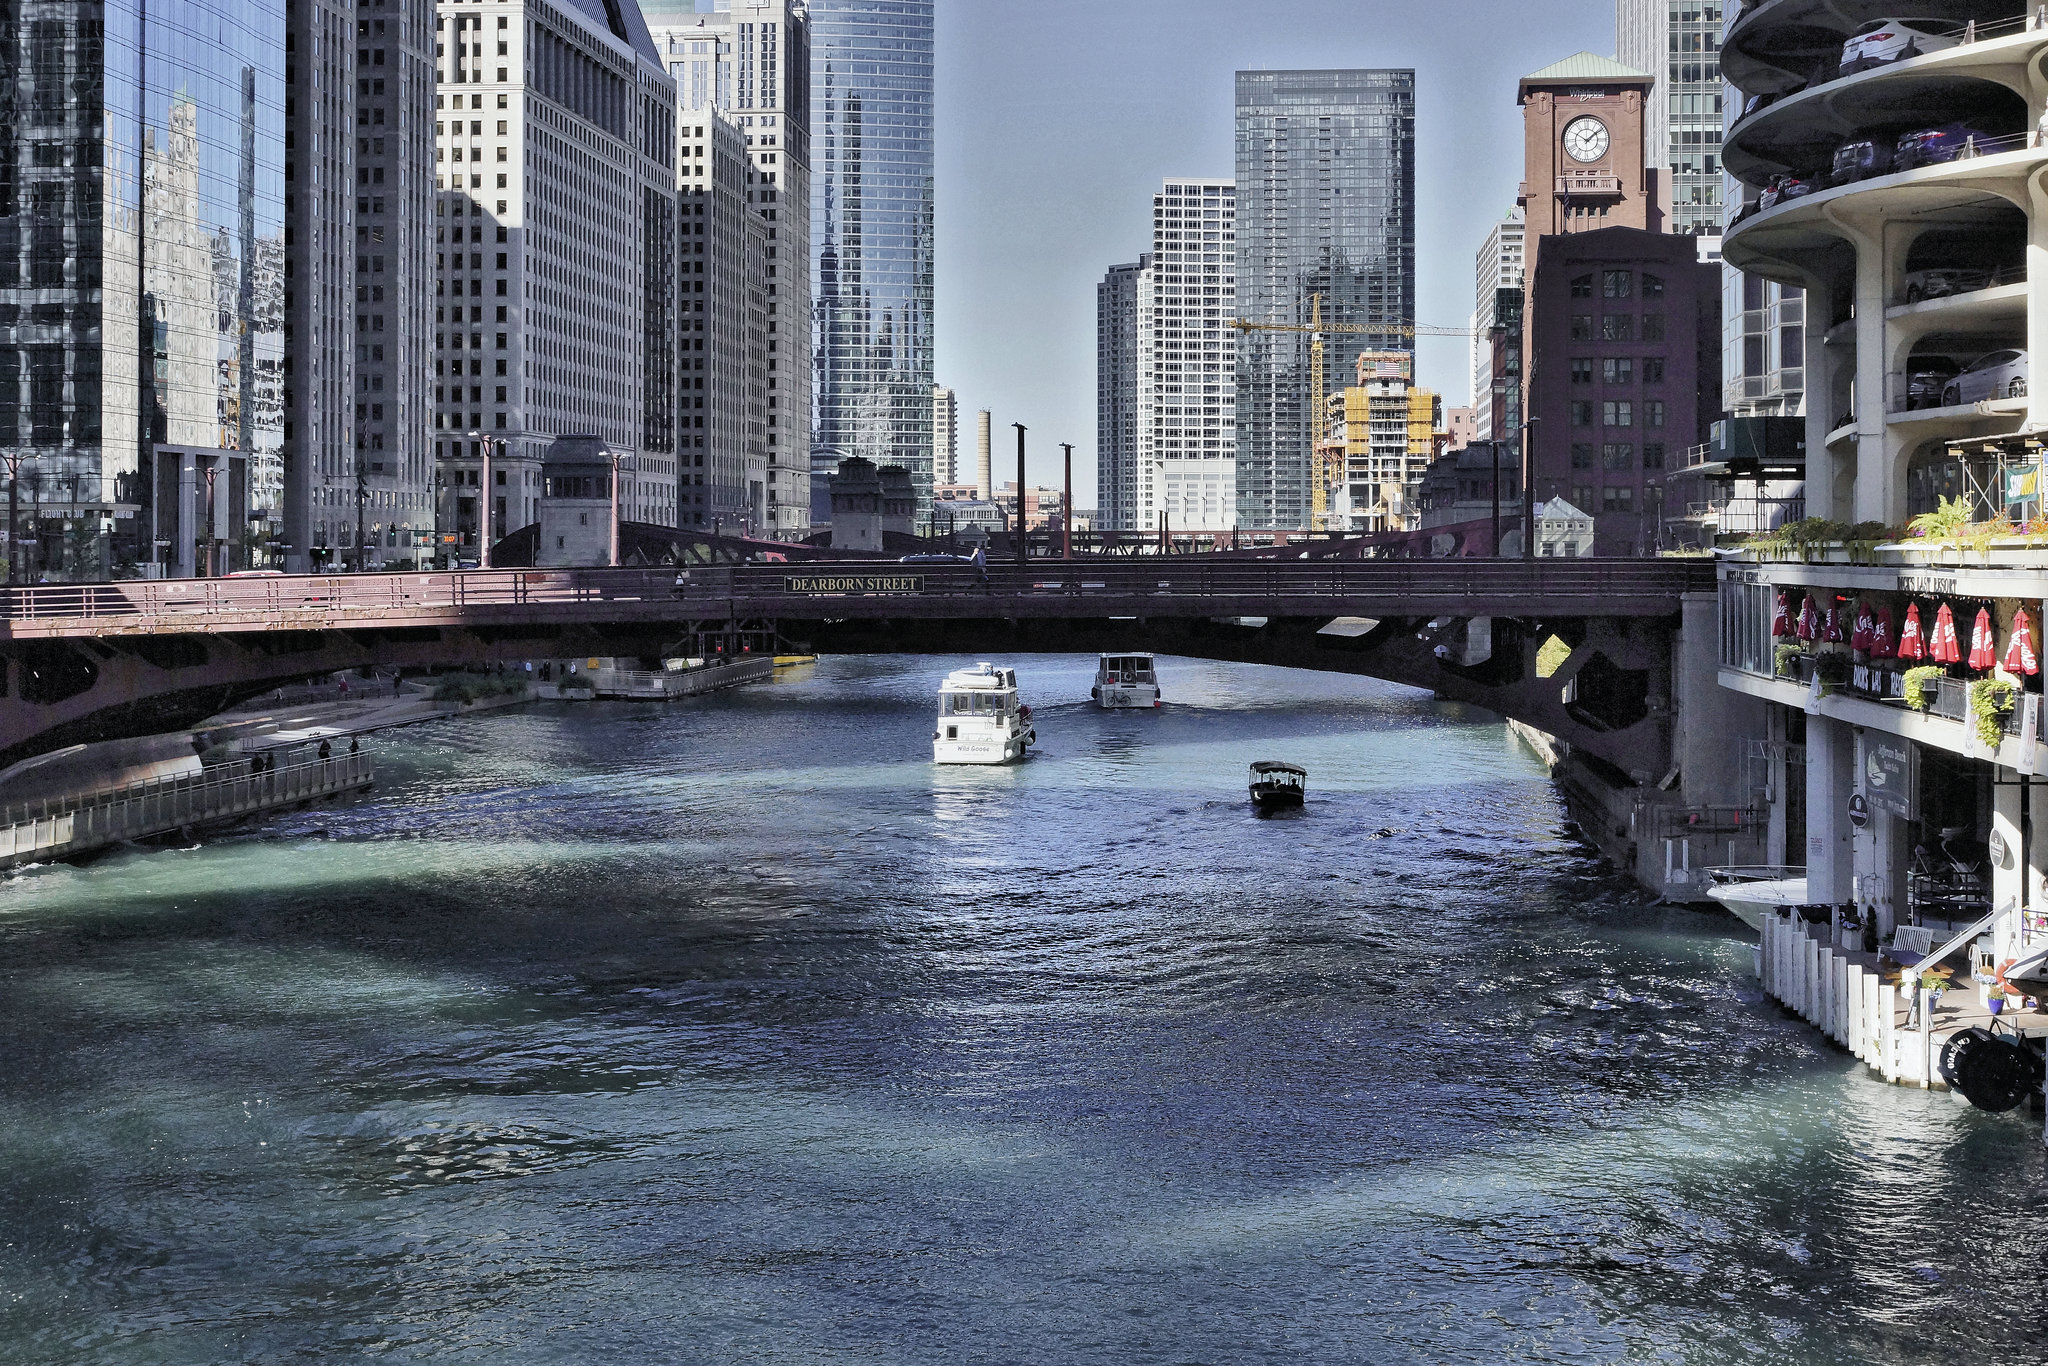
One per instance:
[(1881, 635), (2020, 655), (1831, 625), (1911, 644), (1945, 648), (1866, 627), (1983, 641), (1809, 619), (1781, 624)]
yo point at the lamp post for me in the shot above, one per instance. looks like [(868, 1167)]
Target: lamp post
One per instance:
[(1067, 506), (1023, 550), (212, 473), (617, 457), (362, 505), (13, 459), (483, 502), (1528, 493), (1495, 447)]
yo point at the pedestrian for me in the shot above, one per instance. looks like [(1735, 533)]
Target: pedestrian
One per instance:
[(326, 750), (981, 565), (354, 745)]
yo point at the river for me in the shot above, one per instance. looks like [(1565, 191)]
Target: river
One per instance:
[(733, 1031)]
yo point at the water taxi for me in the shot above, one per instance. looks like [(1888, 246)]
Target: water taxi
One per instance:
[(981, 720), (1125, 681), (1277, 786)]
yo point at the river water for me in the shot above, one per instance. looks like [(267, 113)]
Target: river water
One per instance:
[(733, 1031)]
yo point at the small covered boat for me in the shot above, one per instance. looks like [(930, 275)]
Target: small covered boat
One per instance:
[(1125, 682), (981, 720), (1278, 786)]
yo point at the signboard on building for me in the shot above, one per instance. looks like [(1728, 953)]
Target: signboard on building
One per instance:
[(853, 583), (1891, 775)]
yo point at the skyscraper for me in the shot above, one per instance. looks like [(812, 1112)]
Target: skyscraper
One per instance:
[(872, 236), (1679, 42), (1325, 206), (1186, 460), (1498, 267), (749, 61), (1116, 396), (945, 436)]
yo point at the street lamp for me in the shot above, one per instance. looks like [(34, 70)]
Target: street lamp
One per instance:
[(616, 457), (13, 459), (483, 504), (1528, 492)]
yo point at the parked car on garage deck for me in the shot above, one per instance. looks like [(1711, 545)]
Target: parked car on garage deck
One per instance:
[(1883, 41), (1994, 375)]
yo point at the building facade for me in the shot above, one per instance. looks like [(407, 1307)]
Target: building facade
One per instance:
[(556, 249), (749, 61), (1186, 465), (1326, 206), (1679, 43), (1116, 396), (945, 435), (1499, 266), (872, 236)]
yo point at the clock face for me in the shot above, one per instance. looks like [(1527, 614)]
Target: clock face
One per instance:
[(1585, 139)]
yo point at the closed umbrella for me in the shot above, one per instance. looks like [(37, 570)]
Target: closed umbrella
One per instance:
[(1983, 641), (1945, 648), (1881, 646), (1809, 619), (1831, 625), (2020, 655), (1912, 645), (1866, 626), (1781, 624)]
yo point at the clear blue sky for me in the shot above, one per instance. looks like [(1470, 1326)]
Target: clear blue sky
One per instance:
[(1058, 119)]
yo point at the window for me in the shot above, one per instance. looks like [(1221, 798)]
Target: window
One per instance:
[(1653, 369), (1582, 412), (1582, 496), (1582, 287), (1582, 455), (1653, 286), (1582, 370), (1618, 371), (1617, 284), (1653, 413), (1617, 413), (1653, 327), (1618, 455), (1622, 499), (1653, 455), (1582, 327), (1617, 327)]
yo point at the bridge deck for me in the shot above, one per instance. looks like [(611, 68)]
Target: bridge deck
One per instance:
[(1163, 587)]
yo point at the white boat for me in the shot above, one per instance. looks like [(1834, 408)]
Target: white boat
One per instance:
[(1126, 681), (1753, 893), (981, 720)]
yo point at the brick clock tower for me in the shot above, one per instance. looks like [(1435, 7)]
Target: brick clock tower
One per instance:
[(1584, 149)]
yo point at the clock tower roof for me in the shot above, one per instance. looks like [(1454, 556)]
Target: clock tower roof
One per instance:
[(1585, 68)]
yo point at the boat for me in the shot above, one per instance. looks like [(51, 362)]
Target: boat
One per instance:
[(1277, 786), (981, 720), (1125, 682), (1755, 892)]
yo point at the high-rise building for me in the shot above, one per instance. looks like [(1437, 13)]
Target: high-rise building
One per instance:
[(945, 435), (142, 243), (1186, 467), (722, 388), (1116, 396), (1499, 266), (1388, 437), (555, 241), (750, 61), (1326, 206), (872, 236), (1679, 43)]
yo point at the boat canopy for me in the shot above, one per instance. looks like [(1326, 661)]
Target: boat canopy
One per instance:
[(1275, 766)]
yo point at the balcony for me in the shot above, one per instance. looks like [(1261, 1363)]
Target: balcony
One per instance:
[(1589, 185)]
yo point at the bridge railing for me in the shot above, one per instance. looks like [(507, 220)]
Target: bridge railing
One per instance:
[(283, 602)]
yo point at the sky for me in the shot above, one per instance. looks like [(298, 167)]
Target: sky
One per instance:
[(1058, 119)]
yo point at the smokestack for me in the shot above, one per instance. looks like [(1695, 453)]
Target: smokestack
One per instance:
[(984, 459)]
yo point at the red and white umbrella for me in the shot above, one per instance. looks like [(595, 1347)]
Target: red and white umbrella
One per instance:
[(1781, 624), (1983, 641), (1809, 619), (1831, 625), (1945, 648), (1881, 635), (1866, 627), (1912, 645), (2020, 655)]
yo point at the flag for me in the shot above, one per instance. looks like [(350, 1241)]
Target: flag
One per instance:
[(1945, 648), (1911, 645), (1866, 627), (1983, 641), (2020, 655), (1809, 619), (1881, 634), (1781, 624)]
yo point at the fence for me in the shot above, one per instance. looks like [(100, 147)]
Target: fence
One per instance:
[(58, 828)]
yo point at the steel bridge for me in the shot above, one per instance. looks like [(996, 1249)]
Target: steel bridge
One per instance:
[(98, 661)]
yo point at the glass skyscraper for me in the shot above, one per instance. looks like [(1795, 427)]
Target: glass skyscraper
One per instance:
[(1679, 42), (871, 238), (1325, 205), (142, 279)]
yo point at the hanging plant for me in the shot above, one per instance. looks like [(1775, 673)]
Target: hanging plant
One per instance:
[(1991, 700), (1919, 685), (1785, 654), (1833, 673)]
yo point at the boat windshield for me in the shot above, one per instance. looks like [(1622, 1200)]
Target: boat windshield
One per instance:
[(1123, 669), (971, 704)]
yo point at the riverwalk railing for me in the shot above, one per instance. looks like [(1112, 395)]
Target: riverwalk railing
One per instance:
[(59, 827)]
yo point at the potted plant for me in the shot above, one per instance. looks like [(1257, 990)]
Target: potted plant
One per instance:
[(1786, 657), (1991, 699), (1919, 685)]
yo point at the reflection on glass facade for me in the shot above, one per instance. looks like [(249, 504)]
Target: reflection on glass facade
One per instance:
[(871, 234), (1325, 205), (1679, 42), (141, 278)]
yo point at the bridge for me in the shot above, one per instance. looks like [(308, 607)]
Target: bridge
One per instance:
[(98, 661)]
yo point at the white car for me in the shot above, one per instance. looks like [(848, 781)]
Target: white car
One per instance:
[(1894, 40), (1999, 374)]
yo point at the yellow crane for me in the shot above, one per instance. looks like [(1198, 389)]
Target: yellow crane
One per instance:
[(1321, 476)]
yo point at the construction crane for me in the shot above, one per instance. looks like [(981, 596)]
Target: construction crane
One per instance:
[(1320, 480)]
